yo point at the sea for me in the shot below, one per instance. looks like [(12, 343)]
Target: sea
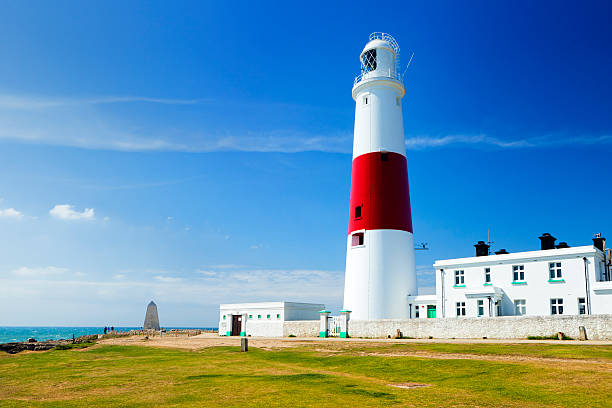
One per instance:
[(10, 334)]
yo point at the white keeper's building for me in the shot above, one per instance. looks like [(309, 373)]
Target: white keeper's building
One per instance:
[(264, 319), (556, 280)]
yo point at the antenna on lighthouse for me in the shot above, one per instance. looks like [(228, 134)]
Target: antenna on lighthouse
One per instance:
[(409, 62)]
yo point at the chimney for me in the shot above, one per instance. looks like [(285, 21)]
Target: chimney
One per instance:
[(599, 242), (482, 249), (501, 252), (562, 245), (547, 241)]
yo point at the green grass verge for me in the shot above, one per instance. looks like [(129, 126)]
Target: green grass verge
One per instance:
[(222, 376)]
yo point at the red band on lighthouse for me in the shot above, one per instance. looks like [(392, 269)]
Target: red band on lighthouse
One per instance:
[(380, 198)]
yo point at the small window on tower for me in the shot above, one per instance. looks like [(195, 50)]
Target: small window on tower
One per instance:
[(357, 239), (358, 211), (397, 101), (365, 100), (384, 156)]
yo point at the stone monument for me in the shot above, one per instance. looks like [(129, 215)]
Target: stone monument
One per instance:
[(151, 321)]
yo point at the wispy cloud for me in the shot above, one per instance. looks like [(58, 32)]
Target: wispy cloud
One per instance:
[(227, 266), (207, 273), (77, 122), (225, 286), (427, 290), (425, 270), (90, 131), (167, 279), (67, 212), (10, 213), (37, 102), (39, 272), (482, 140)]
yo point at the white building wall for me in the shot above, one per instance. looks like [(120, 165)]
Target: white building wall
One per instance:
[(266, 319), (537, 290), (419, 305)]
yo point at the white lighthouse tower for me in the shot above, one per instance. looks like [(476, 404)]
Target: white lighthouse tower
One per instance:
[(380, 268)]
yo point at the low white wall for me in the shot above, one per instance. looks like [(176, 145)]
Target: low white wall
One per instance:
[(598, 327), (302, 328), (264, 328)]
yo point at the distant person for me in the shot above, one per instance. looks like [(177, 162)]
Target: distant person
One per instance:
[(105, 329), (112, 328)]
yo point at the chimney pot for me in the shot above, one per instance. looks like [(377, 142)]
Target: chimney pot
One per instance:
[(482, 249), (599, 242), (547, 241)]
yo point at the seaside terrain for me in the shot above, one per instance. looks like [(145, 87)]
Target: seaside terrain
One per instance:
[(209, 370), (41, 333)]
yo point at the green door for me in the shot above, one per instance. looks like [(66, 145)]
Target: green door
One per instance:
[(431, 311)]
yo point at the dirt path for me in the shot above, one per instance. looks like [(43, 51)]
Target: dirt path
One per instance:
[(603, 365), (201, 341)]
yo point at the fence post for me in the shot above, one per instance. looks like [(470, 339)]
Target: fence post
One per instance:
[(244, 344), (324, 327), (344, 323)]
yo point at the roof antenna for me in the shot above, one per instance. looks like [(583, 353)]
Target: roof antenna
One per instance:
[(489, 242), (422, 246), (404, 73)]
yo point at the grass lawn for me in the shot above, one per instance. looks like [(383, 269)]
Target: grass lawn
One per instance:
[(316, 375)]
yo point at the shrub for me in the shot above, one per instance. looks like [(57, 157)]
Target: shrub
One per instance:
[(74, 345), (553, 337)]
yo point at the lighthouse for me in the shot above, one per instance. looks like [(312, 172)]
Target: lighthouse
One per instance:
[(380, 268)]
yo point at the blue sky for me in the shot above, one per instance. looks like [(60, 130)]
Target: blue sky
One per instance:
[(199, 153)]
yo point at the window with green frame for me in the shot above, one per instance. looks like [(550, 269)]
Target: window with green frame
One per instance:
[(278, 316), (259, 316)]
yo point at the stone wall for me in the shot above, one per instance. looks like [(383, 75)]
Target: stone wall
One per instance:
[(301, 328), (598, 327)]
